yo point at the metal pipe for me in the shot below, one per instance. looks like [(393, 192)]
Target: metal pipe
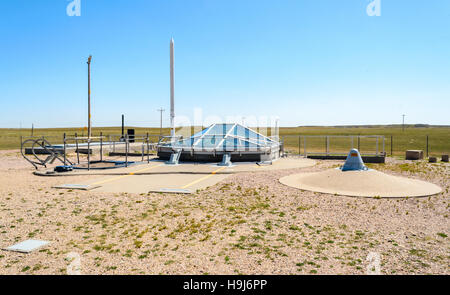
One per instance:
[(89, 153), (126, 150), (76, 145), (148, 150), (392, 143), (376, 147), (89, 95), (304, 145), (101, 146), (142, 149), (123, 125), (64, 138)]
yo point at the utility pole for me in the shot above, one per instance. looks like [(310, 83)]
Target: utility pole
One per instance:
[(123, 126), (403, 124), (89, 95), (161, 110)]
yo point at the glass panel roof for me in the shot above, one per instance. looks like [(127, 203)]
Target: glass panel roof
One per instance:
[(225, 137)]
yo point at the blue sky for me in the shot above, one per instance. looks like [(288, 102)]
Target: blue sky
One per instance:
[(309, 62)]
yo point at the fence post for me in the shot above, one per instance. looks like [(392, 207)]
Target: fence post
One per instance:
[(304, 145), (64, 138), (299, 145), (359, 146), (427, 146), (148, 150), (101, 146), (392, 143), (377, 146), (143, 148), (76, 146), (126, 150)]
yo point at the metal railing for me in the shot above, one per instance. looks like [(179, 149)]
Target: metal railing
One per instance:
[(334, 145), (77, 143), (218, 142)]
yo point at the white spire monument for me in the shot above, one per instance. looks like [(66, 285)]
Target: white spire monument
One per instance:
[(172, 90)]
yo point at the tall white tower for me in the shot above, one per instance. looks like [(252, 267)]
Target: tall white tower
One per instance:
[(172, 90)]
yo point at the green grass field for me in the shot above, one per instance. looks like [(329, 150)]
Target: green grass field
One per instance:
[(412, 138)]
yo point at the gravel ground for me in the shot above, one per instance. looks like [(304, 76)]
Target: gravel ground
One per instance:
[(247, 224)]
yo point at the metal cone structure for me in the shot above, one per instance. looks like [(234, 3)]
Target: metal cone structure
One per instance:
[(354, 162)]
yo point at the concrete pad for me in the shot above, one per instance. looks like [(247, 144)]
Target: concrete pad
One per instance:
[(83, 187), (280, 164), (140, 168), (159, 182), (369, 183), (173, 191), (159, 177), (27, 246)]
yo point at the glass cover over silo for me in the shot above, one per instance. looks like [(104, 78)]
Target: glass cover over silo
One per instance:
[(240, 142)]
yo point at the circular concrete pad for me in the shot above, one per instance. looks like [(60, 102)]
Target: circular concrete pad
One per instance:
[(369, 183), (280, 164)]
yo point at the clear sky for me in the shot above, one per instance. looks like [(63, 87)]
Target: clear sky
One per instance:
[(310, 62)]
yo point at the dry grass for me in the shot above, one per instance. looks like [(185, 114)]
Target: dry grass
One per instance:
[(247, 224), (411, 138)]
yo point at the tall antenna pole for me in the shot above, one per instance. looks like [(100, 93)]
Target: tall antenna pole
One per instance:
[(172, 89), (89, 95), (161, 110)]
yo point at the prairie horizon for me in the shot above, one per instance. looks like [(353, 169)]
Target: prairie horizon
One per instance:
[(413, 137)]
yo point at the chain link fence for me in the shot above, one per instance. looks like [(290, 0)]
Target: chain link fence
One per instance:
[(391, 145)]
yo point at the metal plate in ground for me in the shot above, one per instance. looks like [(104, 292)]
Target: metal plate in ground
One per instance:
[(27, 246), (84, 187), (172, 191)]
